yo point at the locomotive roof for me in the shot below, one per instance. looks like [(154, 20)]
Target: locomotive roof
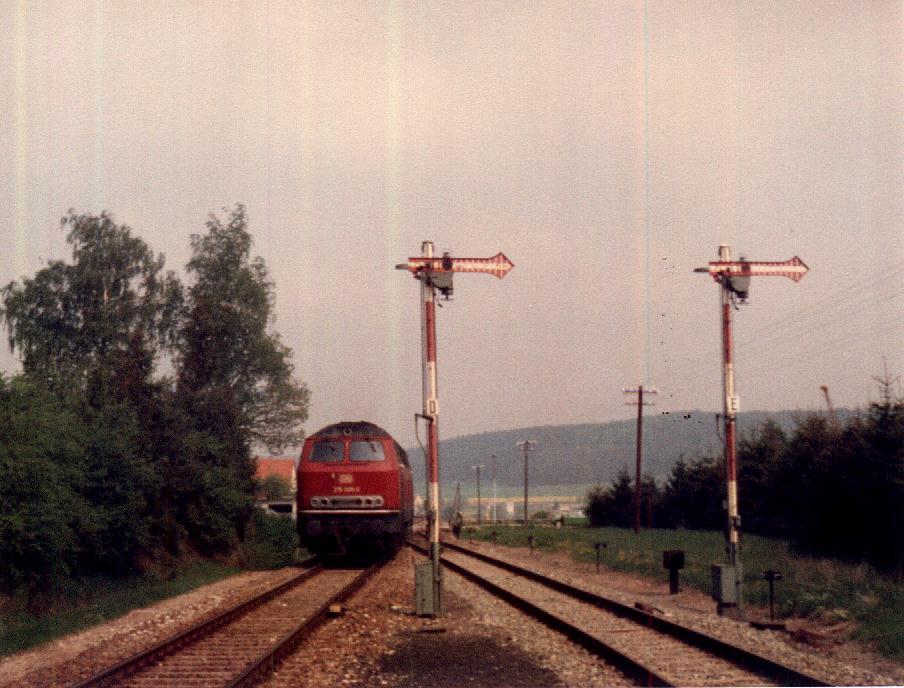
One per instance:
[(360, 427)]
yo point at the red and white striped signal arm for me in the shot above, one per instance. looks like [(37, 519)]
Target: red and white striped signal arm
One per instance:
[(498, 265), (793, 269)]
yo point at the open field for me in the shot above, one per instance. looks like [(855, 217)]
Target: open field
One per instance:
[(509, 499), (853, 599)]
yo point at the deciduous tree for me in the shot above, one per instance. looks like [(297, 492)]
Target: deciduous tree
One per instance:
[(100, 322), (231, 360)]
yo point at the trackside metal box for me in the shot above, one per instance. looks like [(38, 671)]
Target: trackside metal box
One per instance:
[(725, 579), (424, 603), (673, 559)]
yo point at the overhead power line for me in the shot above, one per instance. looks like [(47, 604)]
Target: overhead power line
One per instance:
[(795, 324), (753, 342), (834, 298), (783, 361)]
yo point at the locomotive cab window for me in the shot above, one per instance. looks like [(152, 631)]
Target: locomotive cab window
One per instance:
[(366, 450), (327, 452)]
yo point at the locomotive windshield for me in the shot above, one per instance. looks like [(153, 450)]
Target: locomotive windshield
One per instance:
[(366, 450), (327, 452)]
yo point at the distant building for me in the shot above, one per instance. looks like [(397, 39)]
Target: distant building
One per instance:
[(284, 505)]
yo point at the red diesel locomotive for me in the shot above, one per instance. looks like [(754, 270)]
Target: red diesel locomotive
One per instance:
[(355, 492)]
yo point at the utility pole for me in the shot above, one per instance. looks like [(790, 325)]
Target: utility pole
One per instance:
[(640, 403), (436, 273), (526, 446), (833, 418), (494, 488), (456, 505), (733, 278), (479, 515)]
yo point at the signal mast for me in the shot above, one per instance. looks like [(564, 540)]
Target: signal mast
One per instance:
[(733, 278), (436, 273)]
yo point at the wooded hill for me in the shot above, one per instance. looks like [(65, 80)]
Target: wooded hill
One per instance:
[(590, 453)]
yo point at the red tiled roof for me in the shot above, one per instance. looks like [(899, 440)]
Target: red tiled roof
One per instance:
[(283, 467)]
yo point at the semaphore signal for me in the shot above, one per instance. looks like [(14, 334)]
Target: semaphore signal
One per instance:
[(733, 278), (436, 273), (497, 265), (793, 268)]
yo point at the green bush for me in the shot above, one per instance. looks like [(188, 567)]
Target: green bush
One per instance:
[(83, 603), (43, 513), (271, 541), (830, 489)]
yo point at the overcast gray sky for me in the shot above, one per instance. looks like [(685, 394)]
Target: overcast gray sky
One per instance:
[(607, 148)]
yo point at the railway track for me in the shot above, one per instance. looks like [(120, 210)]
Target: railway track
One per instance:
[(241, 646), (648, 648)]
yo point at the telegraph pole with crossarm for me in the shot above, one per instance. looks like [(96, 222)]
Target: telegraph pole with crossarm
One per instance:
[(526, 446), (478, 468), (640, 403), (733, 278)]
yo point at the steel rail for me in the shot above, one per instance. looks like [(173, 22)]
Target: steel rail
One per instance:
[(768, 668), (195, 632), (627, 665), (258, 670)]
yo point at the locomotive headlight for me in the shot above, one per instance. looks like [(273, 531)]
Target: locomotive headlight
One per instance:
[(362, 502)]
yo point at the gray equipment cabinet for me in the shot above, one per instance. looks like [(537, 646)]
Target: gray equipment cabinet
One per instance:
[(425, 604), (725, 584)]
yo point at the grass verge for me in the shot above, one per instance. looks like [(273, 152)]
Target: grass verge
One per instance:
[(869, 604), (88, 603)]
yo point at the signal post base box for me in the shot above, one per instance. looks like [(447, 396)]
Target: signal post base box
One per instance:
[(673, 559), (725, 584), (424, 602)]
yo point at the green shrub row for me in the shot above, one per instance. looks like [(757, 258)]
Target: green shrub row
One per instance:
[(830, 488)]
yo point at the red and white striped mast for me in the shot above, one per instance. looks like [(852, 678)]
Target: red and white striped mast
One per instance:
[(436, 273), (730, 406), (431, 413), (734, 280)]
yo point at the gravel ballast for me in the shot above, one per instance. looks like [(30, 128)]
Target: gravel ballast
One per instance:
[(480, 641), (833, 660), (80, 655)]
